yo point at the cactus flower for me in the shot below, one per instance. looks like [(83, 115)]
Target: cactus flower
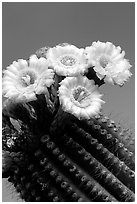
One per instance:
[(22, 80), (80, 97), (67, 60), (108, 62)]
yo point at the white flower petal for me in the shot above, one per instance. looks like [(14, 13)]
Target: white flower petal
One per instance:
[(5, 89), (41, 90), (11, 94), (10, 74), (13, 69), (7, 83), (7, 79), (33, 61), (84, 114), (49, 82), (21, 63), (30, 96), (42, 65)]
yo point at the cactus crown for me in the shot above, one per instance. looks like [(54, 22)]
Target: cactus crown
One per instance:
[(57, 146)]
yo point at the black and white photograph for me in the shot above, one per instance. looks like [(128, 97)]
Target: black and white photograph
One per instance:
[(68, 101)]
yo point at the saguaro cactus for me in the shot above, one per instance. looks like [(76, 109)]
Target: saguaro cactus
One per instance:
[(57, 146)]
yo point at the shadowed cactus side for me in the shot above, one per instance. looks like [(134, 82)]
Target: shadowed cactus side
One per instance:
[(75, 161), (53, 154)]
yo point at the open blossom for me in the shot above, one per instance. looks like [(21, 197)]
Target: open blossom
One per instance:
[(67, 60), (109, 62), (23, 79), (80, 97)]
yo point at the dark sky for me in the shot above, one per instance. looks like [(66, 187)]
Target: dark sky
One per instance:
[(29, 26)]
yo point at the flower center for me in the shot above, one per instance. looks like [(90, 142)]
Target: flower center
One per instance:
[(68, 61), (103, 61), (80, 94), (28, 79)]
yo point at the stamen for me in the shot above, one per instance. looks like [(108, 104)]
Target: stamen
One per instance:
[(28, 78), (68, 61), (103, 61), (80, 94)]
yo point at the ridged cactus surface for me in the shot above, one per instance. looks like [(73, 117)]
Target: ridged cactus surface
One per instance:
[(76, 160)]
